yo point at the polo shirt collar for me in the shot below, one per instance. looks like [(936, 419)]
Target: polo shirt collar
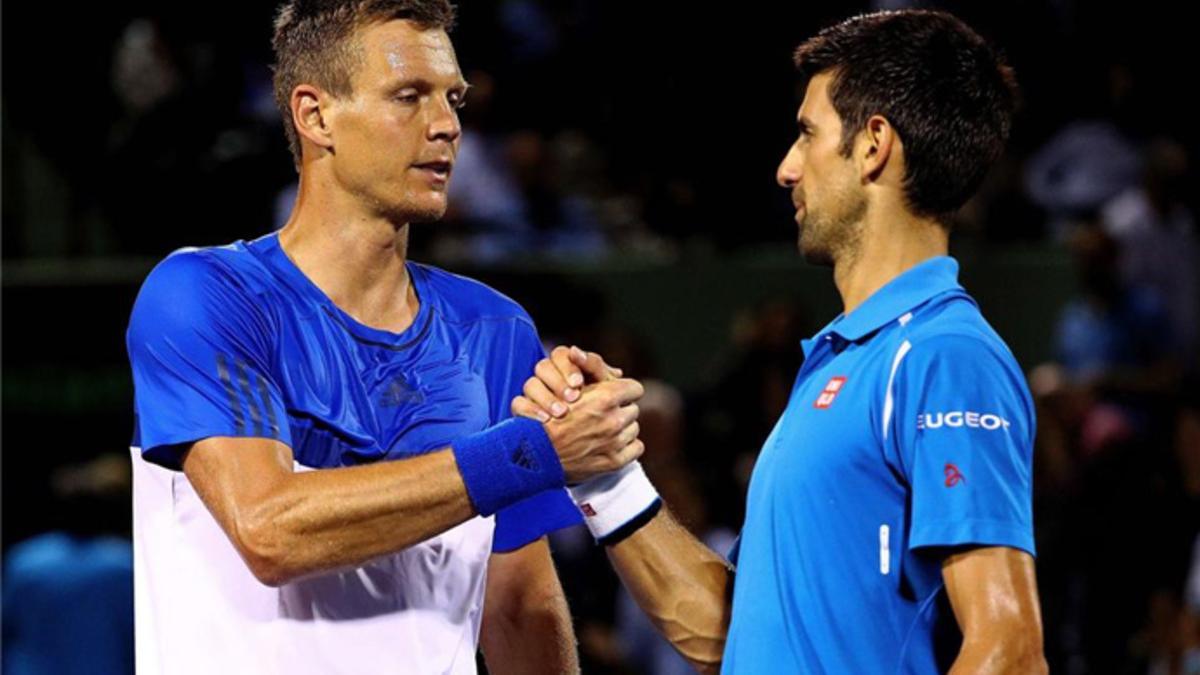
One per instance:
[(899, 296)]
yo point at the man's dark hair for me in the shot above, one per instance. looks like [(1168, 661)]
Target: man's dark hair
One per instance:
[(314, 44), (948, 94)]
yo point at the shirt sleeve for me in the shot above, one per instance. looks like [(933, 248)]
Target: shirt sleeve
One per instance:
[(963, 438), (199, 347), (532, 518)]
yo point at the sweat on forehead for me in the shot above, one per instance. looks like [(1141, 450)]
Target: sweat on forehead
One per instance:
[(312, 37)]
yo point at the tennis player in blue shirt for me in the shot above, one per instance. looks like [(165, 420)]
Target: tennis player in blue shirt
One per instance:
[(326, 478), (888, 525)]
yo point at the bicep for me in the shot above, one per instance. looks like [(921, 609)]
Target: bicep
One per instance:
[(233, 476), (992, 589)]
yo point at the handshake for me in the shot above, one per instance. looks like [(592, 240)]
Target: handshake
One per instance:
[(600, 435), (590, 415), (576, 425)]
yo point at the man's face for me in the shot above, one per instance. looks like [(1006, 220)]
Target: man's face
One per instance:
[(396, 136), (826, 191)]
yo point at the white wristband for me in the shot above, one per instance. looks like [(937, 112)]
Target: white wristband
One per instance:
[(616, 504)]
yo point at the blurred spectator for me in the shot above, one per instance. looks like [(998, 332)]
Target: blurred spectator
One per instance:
[(1157, 234), (1115, 336), (68, 594), (1081, 168), (737, 413), (193, 157), (1092, 158), (1108, 488), (509, 196)]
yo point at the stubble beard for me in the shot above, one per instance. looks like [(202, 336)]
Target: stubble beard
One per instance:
[(410, 209), (832, 236)]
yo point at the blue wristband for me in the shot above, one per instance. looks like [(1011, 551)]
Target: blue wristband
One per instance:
[(506, 463)]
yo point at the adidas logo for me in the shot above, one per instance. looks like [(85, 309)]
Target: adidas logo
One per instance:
[(399, 392), (523, 457)]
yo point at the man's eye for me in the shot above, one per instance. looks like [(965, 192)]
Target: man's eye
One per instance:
[(408, 97), (458, 101)]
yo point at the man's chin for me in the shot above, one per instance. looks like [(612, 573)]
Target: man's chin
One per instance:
[(427, 212), (813, 253), (431, 215)]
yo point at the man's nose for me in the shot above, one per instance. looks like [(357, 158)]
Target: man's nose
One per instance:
[(444, 124), (789, 171)]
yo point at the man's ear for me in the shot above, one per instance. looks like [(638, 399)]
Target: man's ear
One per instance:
[(310, 106), (875, 146)]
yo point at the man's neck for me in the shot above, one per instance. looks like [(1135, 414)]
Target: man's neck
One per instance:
[(893, 241), (355, 258)]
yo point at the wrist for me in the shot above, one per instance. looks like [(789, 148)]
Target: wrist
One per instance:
[(506, 463), (618, 504)]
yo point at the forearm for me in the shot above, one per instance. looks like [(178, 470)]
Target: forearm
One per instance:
[(526, 623), (315, 521), (683, 586), (537, 639)]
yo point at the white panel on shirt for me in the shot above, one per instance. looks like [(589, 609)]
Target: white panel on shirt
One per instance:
[(198, 609)]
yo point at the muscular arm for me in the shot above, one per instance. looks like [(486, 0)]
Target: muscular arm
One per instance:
[(994, 595), (526, 623), (287, 524), (684, 587)]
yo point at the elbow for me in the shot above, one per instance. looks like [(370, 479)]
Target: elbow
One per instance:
[(1025, 651), (1031, 658), (1016, 651), (269, 574), (1028, 660), (260, 542)]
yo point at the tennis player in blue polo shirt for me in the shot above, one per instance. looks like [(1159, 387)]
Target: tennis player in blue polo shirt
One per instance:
[(888, 525), (326, 475)]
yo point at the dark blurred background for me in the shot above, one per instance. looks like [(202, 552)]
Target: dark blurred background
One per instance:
[(617, 178)]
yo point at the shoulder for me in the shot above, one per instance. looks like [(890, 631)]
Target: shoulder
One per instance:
[(955, 328), (952, 343), (191, 270), (953, 348), (201, 285), (460, 299)]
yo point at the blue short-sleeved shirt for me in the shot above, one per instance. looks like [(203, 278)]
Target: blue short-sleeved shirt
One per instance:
[(909, 431), (236, 341)]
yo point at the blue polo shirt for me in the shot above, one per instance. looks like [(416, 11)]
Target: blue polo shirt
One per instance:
[(237, 341), (909, 433)]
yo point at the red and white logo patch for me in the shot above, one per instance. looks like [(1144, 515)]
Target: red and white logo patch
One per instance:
[(830, 392)]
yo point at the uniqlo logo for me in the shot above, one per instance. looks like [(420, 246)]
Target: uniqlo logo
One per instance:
[(830, 392)]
